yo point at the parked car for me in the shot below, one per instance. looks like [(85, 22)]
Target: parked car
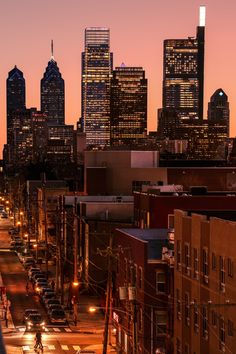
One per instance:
[(51, 301), (14, 245), (38, 275), (29, 312), (54, 307), (29, 263), (35, 321), (39, 285), (48, 295), (57, 316), (33, 269), (45, 289)]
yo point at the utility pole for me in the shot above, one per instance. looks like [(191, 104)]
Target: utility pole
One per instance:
[(61, 245), (107, 253), (45, 221)]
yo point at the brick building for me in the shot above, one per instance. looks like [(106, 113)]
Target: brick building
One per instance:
[(141, 264), (205, 292)]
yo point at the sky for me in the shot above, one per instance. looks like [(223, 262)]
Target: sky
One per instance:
[(137, 31)]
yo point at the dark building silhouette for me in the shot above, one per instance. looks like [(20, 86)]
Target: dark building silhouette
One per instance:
[(128, 106), (15, 99), (96, 84), (52, 93), (218, 109), (183, 73)]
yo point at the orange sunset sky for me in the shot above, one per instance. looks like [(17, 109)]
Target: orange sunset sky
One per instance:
[(137, 27)]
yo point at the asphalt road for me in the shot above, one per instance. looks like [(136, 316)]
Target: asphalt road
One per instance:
[(56, 339)]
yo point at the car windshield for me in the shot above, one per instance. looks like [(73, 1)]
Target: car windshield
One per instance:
[(30, 311)]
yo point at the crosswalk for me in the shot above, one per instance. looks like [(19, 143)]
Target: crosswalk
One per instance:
[(29, 348), (22, 329)]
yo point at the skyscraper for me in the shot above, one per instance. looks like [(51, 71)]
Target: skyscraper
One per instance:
[(128, 106), (218, 107), (96, 82), (52, 93), (15, 98), (183, 75)]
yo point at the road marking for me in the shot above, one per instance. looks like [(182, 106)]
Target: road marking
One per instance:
[(64, 347), (56, 329), (26, 347), (76, 347), (67, 329), (51, 347)]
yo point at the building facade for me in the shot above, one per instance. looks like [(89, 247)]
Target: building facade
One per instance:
[(15, 87), (218, 109), (96, 85), (128, 106), (183, 73), (143, 321), (53, 93), (204, 309)]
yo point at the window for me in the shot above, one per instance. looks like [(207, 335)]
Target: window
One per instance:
[(230, 267), (187, 258), (222, 333), (204, 322), (222, 274), (214, 318), (213, 261), (195, 316), (161, 322), (195, 263), (160, 282), (186, 310), (178, 307), (140, 277), (230, 328), (178, 255), (205, 265)]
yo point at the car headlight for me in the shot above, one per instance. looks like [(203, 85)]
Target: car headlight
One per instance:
[(29, 323), (42, 324), (37, 289)]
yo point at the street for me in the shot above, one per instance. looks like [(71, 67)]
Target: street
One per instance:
[(56, 339)]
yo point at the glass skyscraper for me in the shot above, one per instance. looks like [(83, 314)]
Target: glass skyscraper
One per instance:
[(53, 93), (96, 85), (183, 73), (128, 106), (15, 99)]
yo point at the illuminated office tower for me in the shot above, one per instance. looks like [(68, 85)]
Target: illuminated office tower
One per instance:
[(128, 106), (218, 108), (183, 75), (15, 99), (52, 93), (96, 84)]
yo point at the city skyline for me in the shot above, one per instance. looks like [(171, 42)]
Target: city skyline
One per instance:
[(30, 51)]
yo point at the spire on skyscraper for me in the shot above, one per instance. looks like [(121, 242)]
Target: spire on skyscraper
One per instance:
[(52, 56)]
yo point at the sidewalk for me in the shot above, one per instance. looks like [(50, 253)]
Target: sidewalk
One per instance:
[(9, 326)]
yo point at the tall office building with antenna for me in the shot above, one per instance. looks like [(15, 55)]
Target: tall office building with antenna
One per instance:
[(183, 73), (53, 92)]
